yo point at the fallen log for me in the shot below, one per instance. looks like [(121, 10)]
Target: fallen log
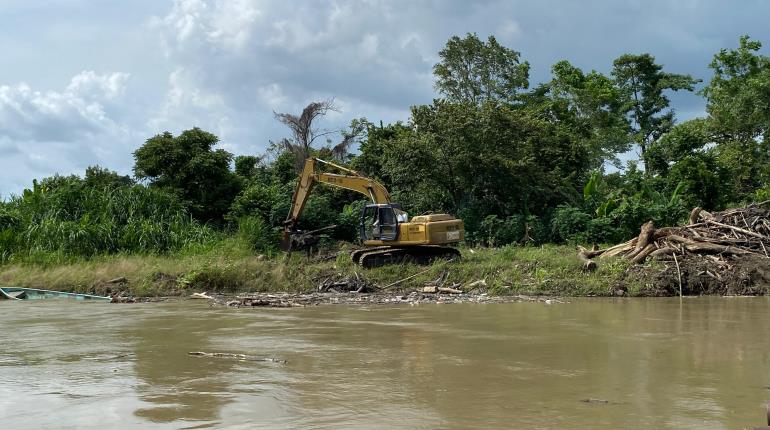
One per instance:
[(393, 284), (618, 249), (585, 256), (236, 356), (661, 252), (479, 283), (642, 255), (646, 236)]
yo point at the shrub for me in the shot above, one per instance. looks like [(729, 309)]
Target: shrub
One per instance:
[(568, 223), (256, 233)]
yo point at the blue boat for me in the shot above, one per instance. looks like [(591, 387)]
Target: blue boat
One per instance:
[(18, 293)]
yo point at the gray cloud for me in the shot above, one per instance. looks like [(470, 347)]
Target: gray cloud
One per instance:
[(75, 113), (227, 65)]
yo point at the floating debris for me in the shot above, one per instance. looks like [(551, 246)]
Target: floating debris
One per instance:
[(236, 356)]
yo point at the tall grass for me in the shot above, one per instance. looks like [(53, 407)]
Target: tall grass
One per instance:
[(64, 218)]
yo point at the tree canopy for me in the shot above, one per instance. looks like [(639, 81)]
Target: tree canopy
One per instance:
[(189, 167), (474, 71)]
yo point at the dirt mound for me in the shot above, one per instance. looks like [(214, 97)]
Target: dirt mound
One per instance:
[(715, 253)]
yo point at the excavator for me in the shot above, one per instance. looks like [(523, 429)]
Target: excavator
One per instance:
[(386, 232)]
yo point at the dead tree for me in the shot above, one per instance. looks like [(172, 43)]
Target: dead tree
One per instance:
[(304, 132)]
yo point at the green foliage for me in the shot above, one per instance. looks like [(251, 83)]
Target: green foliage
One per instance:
[(348, 221), (189, 167), (569, 223), (589, 106), (98, 177), (254, 231), (643, 84), (738, 92), (473, 71), (500, 232), (246, 166), (258, 199), (740, 116), (68, 216)]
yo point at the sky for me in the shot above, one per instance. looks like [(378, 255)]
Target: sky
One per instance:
[(86, 82)]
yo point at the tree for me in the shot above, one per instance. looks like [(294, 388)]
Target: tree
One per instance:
[(590, 107), (98, 177), (246, 165), (738, 92), (643, 83), (473, 71), (490, 158), (737, 102), (188, 166), (305, 132)]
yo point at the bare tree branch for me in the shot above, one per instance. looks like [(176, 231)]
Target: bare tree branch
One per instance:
[(304, 134)]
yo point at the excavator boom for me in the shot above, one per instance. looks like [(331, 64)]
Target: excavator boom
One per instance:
[(351, 181)]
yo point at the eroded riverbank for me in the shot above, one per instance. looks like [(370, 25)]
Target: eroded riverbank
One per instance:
[(509, 271)]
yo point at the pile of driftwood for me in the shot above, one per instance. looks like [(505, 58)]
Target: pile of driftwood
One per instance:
[(718, 238), (353, 283)]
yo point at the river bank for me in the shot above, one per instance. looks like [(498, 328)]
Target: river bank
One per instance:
[(552, 270)]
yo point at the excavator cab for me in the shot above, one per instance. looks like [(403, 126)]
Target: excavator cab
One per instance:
[(380, 221)]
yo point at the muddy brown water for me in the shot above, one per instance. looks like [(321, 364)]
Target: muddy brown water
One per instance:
[(703, 363)]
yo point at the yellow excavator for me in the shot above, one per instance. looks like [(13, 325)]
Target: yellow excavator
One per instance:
[(387, 233)]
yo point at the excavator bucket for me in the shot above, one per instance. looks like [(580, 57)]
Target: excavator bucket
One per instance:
[(286, 241)]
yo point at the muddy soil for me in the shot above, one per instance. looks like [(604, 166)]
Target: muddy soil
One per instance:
[(698, 275)]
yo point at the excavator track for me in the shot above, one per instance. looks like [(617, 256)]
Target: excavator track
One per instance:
[(355, 255), (384, 255)]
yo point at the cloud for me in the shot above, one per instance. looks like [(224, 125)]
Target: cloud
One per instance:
[(88, 84), (226, 65), (47, 132), (76, 112)]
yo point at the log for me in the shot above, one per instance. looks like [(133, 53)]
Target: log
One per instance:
[(449, 290), (662, 251), (708, 247), (593, 252), (479, 283), (642, 255), (694, 214), (619, 249), (585, 256), (740, 230), (430, 289), (646, 236), (406, 279), (236, 356)]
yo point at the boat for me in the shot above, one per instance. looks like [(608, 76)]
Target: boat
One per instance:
[(18, 293)]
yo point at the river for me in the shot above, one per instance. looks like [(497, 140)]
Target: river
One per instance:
[(702, 363)]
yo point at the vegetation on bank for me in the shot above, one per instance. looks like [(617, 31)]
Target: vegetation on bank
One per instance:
[(231, 267), (526, 168)]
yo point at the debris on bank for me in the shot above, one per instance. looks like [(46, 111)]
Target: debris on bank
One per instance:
[(356, 290), (724, 252), (288, 300)]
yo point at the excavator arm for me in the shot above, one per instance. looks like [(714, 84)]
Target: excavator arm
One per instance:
[(351, 180)]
